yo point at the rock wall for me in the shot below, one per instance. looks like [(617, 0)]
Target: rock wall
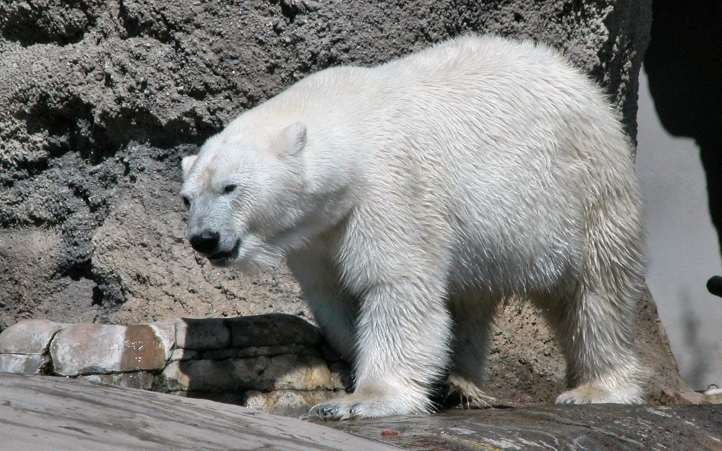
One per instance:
[(101, 99)]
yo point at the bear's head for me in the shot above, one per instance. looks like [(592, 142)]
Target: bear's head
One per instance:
[(246, 195)]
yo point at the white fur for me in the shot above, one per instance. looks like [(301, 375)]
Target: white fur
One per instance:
[(412, 198)]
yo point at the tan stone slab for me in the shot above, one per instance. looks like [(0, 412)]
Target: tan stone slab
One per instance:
[(98, 348), (30, 336), (23, 363), (46, 413)]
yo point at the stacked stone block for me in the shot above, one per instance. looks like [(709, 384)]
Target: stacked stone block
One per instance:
[(277, 363)]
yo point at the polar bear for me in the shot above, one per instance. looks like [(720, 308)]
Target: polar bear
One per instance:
[(412, 198)]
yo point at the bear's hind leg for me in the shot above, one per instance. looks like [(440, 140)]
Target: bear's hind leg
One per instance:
[(596, 335), (473, 321)]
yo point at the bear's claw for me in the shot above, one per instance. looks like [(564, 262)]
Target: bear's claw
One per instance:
[(335, 411), (357, 406), (469, 394)]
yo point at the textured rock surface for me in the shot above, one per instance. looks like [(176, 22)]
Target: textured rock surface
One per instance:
[(590, 428), (28, 337), (23, 364), (102, 99), (24, 347), (45, 414), (276, 362)]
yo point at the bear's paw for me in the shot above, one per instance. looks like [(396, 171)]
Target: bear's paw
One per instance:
[(589, 394), (356, 406)]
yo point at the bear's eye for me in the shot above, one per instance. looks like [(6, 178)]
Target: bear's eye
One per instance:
[(229, 188), (186, 202)]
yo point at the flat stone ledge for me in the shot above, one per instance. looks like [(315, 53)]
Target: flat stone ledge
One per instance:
[(559, 427), (49, 413), (59, 414)]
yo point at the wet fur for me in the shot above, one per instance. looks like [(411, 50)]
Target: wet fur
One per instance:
[(412, 198)]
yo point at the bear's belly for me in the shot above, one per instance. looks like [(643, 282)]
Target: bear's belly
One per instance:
[(498, 270)]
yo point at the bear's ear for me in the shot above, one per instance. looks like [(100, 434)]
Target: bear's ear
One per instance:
[(293, 138), (187, 164)]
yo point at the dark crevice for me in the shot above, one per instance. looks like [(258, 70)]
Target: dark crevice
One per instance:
[(67, 127), (572, 9), (72, 127), (61, 22), (78, 270), (147, 22), (289, 10)]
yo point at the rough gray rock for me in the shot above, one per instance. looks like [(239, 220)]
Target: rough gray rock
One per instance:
[(590, 428), (45, 414), (28, 337), (23, 364), (24, 347), (48, 413), (101, 99)]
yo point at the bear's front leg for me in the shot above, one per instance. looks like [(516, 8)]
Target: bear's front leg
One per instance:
[(403, 334), (334, 308)]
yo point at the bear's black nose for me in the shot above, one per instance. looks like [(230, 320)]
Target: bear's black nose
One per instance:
[(205, 242)]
